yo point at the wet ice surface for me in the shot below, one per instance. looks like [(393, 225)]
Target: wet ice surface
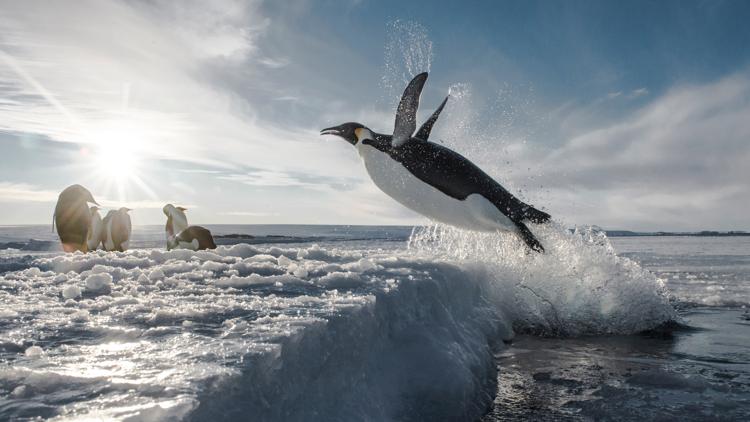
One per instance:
[(697, 373), (700, 374)]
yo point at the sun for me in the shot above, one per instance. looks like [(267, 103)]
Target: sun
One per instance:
[(116, 165), (115, 154), (116, 162), (115, 149)]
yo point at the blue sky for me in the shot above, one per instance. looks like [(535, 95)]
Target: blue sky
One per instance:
[(622, 114)]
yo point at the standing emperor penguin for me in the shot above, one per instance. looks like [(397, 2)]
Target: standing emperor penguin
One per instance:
[(117, 229), (176, 220), (96, 229), (433, 180), (73, 218), (182, 236)]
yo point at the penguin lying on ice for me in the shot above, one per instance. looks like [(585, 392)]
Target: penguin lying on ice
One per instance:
[(182, 236), (433, 180)]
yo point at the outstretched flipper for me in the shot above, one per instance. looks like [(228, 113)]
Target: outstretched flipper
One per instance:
[(406, 114), (529, 238), (424, 132)]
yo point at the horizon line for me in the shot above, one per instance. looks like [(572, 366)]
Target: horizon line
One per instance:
[(413, 225)]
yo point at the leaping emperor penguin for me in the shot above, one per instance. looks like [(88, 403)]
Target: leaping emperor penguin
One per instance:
[(433, 180)]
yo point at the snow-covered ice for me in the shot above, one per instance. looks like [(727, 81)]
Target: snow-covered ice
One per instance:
[(301, 333)]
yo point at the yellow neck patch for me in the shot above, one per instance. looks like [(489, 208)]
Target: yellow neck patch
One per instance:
[(362, 134)]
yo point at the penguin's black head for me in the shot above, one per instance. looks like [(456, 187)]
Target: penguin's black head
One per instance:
[(77, 193), (348, 131)]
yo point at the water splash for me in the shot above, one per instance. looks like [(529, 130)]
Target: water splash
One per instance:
[(408, 52), (578, 287), (461, 121)]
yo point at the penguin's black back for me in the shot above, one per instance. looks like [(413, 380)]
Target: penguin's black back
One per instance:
[(205, 239), (456, 176)]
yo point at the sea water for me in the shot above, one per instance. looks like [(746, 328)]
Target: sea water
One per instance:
[(698, 372), (375, 323)]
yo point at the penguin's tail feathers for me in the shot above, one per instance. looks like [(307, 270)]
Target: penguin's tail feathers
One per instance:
[(535, 216)]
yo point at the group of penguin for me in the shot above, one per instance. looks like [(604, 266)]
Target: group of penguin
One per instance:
[(426, 177), (81, 227)]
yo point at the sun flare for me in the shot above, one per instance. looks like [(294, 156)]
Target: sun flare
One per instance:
[(116, 161), (115, 155)]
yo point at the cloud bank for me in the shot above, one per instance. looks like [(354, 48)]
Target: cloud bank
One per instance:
[(679, 162)]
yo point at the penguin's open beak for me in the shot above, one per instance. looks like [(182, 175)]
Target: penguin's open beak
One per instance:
[(331, 131)]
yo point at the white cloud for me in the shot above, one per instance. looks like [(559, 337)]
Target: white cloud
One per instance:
[(137, 205), (248, 213), (640, 92), (22, 192), (265, 178), (274, 63), (636, 93), (149, 74), (191, 85), (679, 162)]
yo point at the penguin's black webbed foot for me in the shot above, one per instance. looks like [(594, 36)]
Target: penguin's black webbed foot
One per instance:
[(529, 238)]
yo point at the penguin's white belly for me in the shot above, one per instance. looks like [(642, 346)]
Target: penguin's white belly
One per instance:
[(109, 244), (173, 243), (192, 245), (475, 212)]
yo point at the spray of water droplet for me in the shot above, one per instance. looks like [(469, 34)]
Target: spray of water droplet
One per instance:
[(578, 286), (408, 52)]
